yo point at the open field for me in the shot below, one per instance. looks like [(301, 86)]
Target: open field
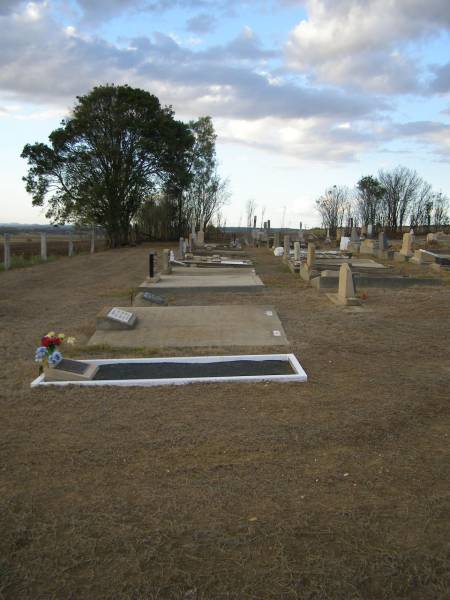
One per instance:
[(333, 489)]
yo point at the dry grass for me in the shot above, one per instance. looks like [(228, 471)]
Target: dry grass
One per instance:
[(334, 489)]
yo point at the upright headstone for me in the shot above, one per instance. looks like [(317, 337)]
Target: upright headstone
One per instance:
[(152, 264), (296, 251), (363, 231), (328, 239), (254, 222), (286, 246), (166, 268), (406, 249), (354, 237), (370, 231), (70, 249), (382, 241), (181, 248), (93, 241), (346, 291), (268, 224), (276, 239), (44, 246), (7, 251), (311, 255)]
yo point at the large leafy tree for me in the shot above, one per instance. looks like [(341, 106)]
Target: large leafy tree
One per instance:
[(118, 147)]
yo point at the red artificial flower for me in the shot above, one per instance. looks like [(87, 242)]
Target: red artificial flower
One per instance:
[(46, 341)]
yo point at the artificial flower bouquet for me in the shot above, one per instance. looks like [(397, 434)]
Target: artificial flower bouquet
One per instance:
[(48, 352)]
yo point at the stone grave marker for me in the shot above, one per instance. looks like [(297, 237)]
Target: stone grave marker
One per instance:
[(154, 298), (123, 317), (71, 370), (296, 251)]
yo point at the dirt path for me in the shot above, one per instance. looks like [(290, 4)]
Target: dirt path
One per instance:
[(334, 489)]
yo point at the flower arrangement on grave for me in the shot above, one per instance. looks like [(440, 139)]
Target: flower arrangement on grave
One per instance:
[(48, 352)]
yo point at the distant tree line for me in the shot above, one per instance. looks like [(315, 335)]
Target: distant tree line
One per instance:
[(396, 198), (123, 162)]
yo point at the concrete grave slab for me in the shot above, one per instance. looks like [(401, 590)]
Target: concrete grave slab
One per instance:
[(236, 282), (126, 372), (189, 326)]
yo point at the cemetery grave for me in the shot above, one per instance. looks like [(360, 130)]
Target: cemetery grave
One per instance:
[(193, 326), (155, 470)]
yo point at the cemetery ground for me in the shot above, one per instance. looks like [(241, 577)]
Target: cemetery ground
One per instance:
[(332, 489)]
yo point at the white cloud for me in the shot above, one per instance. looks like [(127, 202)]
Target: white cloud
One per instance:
[(365, 42)]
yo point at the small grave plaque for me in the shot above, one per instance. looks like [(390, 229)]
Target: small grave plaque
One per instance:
[(269, 313), (121, 316), (276, 332), (71, 370), (154, 298)]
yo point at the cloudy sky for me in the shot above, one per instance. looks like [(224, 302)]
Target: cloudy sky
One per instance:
[(304, 94)]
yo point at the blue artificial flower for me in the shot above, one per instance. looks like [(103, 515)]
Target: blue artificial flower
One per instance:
[(40, 354), (55, 358)]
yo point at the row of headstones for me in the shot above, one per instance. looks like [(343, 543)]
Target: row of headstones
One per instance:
[(7, 248)]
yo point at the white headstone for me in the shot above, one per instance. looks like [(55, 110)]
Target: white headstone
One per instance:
[(119, 315)]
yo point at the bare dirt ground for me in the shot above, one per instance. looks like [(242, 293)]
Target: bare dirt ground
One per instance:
[(333, 489)]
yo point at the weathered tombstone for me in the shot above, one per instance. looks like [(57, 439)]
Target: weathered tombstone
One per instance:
[(346, 291), (363, 231), (311, 255), (181, 248), (93, 241), (328, 239), (354, 237), (370, 230), (406, 249), (166, 268), (268, 224), (286, 246), (44, 246), (254, 222), (7, 251), (70, 249), (191, 243), (382, 241), (296, 251), (276, 239)]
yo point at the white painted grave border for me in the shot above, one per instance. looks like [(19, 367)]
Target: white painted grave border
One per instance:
[(299, 374)]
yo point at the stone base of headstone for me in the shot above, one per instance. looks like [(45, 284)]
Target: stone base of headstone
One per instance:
[(354, 247), (385, 254), (368, 247), (421, 258), (336, 299), (306, 272)]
